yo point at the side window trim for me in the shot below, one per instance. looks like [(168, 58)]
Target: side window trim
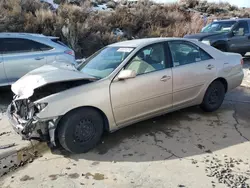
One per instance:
[(168, 55)]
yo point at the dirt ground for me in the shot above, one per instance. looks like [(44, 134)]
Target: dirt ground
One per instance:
[(186, 148)]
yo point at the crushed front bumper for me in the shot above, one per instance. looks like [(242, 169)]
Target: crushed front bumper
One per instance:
[(14, 122), (27, 129), (40, 130)]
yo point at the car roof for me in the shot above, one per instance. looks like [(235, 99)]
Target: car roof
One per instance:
[(36, 35), (144, 42), (233, 19)]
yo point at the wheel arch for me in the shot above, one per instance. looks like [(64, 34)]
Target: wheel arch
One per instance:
[(219, 44), (206, 105), (105, 119), (223, 81)]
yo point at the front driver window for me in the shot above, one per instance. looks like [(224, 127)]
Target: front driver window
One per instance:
[(241, 29), (149, 59)]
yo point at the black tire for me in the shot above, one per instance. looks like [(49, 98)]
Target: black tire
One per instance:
[(80, 130), (214, 97)]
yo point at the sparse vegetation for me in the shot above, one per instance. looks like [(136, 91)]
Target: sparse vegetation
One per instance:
[(86, 30)]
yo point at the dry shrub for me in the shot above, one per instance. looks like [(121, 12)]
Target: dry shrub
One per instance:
[(189, 3), (11, 16), (143, 21), (86, 31), (30, 5)]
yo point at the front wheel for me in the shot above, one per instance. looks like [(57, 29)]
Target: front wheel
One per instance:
[(214, 97), (80, 130)]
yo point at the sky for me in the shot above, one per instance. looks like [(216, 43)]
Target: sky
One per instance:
[(240, 3)]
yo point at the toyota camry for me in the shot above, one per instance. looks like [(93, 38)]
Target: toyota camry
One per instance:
[(119, 85)]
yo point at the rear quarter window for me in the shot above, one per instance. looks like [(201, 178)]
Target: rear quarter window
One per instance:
[(204, 55)]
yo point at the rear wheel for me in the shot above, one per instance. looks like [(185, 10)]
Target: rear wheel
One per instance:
[(214, 97), (80, 130)]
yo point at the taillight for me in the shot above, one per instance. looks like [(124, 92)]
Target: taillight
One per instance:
[(242, 61), (70, 52)]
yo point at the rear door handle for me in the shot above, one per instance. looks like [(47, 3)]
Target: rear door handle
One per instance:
[(165, 78), (39, 58), (209, 67)]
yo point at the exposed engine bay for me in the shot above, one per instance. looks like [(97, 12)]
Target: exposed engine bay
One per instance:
[(22, 112)]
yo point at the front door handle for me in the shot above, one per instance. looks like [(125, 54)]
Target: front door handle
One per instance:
[(39, 58), (165, 78), (209, 67)]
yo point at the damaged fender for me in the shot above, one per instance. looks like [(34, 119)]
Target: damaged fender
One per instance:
[(42, 82)]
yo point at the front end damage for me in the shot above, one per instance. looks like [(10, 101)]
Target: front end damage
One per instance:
[(22, 115), (40, 84)]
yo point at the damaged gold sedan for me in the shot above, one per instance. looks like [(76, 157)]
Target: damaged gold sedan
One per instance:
[(119, 85)]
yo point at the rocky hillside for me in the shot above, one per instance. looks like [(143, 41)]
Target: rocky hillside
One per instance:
[(88, 25)]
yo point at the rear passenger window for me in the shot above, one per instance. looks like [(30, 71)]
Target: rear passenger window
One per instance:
[(204, 55), (14, 45), (186, 53)]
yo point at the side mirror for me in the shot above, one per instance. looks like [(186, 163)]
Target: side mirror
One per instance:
[(126, 74)]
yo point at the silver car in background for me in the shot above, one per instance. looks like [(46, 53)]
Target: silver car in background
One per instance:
[(22, 52)]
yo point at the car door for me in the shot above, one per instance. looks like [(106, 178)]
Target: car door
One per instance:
[(3, 78), (21, 56), (192, 69), (240, 41), (149, 93)]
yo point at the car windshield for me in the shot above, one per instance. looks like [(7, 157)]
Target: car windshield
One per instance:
[(104, 62), (224, 26)]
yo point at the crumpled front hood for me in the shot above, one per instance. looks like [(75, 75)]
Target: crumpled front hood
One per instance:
[(24, 87), (201, 36)]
